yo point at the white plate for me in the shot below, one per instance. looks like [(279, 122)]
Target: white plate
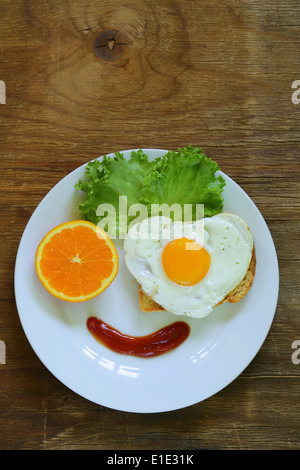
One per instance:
[(217, 350)]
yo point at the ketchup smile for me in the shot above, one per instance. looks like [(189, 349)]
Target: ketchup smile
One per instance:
[(162, 341)]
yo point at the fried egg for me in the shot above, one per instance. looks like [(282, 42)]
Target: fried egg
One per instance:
[(189, 267)]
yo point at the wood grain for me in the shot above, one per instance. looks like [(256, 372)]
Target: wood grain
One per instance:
[(211, 73)]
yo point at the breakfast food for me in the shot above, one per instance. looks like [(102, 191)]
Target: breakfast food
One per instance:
[(189, 268), (147, 304), (211, 262), (76, 261)]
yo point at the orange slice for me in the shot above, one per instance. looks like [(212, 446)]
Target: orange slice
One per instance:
[(76, 261)]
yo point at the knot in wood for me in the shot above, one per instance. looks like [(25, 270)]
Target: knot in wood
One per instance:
[(110, 45)]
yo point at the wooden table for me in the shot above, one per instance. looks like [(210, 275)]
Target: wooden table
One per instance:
[(164, 74)]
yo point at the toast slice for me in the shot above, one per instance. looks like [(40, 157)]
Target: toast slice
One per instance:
[(149, 305)]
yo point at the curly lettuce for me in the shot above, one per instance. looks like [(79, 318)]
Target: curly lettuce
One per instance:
[(185, 177), (108, 179), (181, 177)]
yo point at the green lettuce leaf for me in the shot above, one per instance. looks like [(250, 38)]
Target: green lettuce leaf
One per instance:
[(185, 177), (110, 178)]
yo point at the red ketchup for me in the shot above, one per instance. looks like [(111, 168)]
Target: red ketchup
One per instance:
[(162, 341)]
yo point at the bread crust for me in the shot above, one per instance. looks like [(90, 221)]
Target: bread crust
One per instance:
[(149, 305)]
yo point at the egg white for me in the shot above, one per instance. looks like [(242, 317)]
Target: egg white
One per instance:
[(225, 237)]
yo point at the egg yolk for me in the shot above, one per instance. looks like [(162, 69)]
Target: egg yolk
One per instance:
[(185, 261)]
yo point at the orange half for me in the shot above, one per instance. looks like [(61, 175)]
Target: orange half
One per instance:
[(76, 261)]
